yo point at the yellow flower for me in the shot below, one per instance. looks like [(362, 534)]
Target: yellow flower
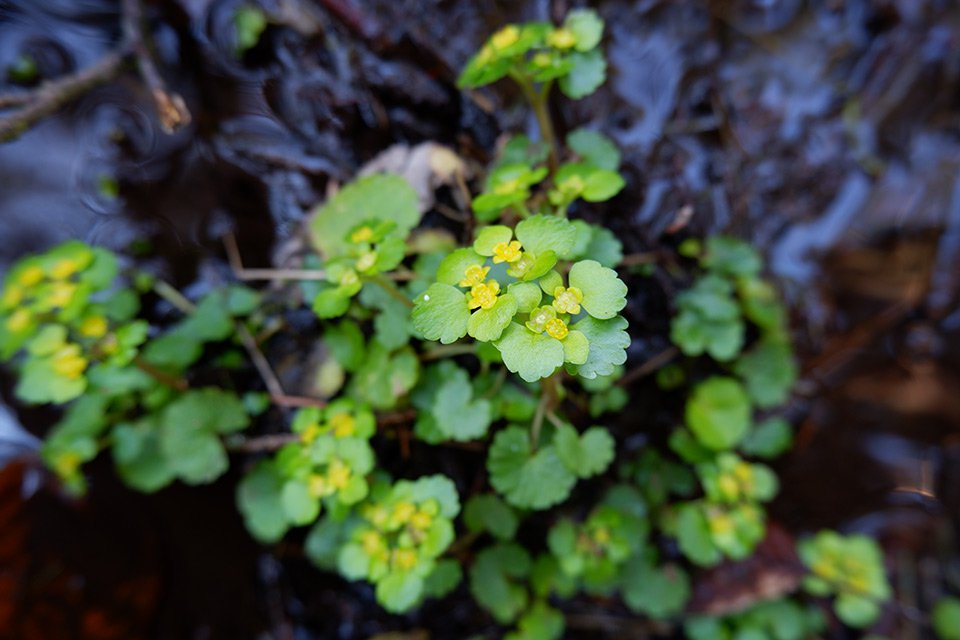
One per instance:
[(403, 511), (30, 276), (484, 295), (18, 321), (601, 536), (366, 261), (720, 523), (64, 268), (66, 463), (343, 425), (311, 433), (567, 300), (519, 268), (338, 474), (539, 319), (506, 37), (68, 363), (557, 328), (318, 486), (507, 187), (363, 234), (371, 541), (542, 59), (93, 327), (561, 39), (12, 296), (61, 293), (421, 520), (507, 251), (404, 559), (474, 275)]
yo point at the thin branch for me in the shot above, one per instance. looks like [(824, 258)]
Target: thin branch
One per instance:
[(52, 95), (274, 441), (277, 395), (648, 367), (171, 108), (242, 273)]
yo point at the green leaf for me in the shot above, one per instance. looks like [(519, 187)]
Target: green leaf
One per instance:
[(531, 355), (331, 302), (693, 536), (527, 294), (731, 257), (210, 320), (136, 451), (595, 148), (381, 197), (718, 413), (436, 487), (346, 343), (540, 233), (444, 578), (587, 26), (258, 498), (455, 265), (608, 345), (604, 247), (540, 622), (550, 281), (768, 371), (326, 538), (946, 618), (604, 294), (39, 383), (769, 439), (457, 416), (588, 72), (487, 512), (492, 581), (656, 592), (527, 480), (249, 23), (856, 611), (392, 326), (487, 325), (585, 455), (441, 313), (299, 506), (399, 591), (489, 237), (240, 300), (576, 348)]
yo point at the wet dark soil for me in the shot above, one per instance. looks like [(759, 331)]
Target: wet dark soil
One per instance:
[(827, 132)]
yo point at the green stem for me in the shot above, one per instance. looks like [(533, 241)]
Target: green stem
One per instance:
[(390, 288), (538, 101), (174, 297)]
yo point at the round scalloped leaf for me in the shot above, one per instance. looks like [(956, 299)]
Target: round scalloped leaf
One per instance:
[(488, 512), (486, 325), (455, 265), (659, 592), (441, 313), (444, 578), (541, 233), (604, 294), (588, 72), (550, 281), (457, 416), (491, 236), (856, 611), (527, 480), (718, 413), (693, 536), (595, 148), (527, 294), (385, 196), (530, 355), (437, 487), (576, 348), (608, 345), (586, 455), (399, 591), (258, 498), (299, 506), (586, 26)]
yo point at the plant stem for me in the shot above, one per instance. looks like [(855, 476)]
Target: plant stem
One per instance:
[(174, 297), (541, 109), (172, 381), (390, 288)]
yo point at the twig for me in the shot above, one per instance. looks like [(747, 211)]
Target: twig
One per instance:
[(174, 382), (171, 108), (390, 288), (648, 367), (54, 94), (242, 273), (274, 441), (15, 99), (277, 395)]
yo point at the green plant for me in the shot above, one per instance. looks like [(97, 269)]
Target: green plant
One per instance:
[(850, 568), (510, 348), (945, 618), (782, 619)]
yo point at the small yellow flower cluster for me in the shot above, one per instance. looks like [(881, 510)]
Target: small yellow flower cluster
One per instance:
[(567, 300), (484, 295), (397, 531), (342, 425), (545, 319), (474, 275), (336, 477), (507, 251)]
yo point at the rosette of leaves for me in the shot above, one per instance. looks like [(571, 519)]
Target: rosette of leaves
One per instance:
[(709, 531), (595, 551), (524, 308), (850, 568), (538, 53), (403, 530), (728, 480), (328, 467), (360, 233), (58, 321)]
